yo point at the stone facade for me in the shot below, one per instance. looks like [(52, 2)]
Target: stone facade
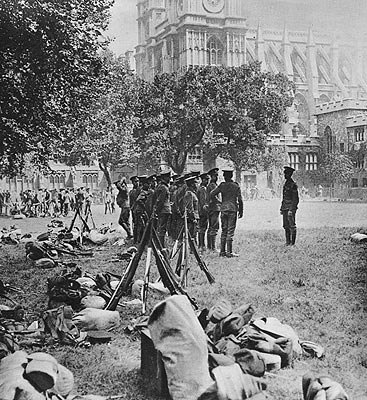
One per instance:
[(325, 64)]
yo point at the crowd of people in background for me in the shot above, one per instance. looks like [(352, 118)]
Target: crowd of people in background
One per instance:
[(46, 203)]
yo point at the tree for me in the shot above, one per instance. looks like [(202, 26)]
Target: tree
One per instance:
[(48, 60), (103, 132), (335, 168), (228, 111), (172, 115)]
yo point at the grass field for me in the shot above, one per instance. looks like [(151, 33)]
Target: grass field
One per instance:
[(318, 287)]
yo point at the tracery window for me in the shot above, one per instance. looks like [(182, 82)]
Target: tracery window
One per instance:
[(214, 51)]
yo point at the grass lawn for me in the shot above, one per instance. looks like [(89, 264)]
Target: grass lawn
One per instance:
[(318, 287)]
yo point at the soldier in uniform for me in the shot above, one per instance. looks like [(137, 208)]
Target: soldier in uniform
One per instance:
[(289, 206), (213, 208), (232, 205), (141, 214), (149, 202), (133, 195), (122, 201), (191, 205), (203, 211), (163, 205)]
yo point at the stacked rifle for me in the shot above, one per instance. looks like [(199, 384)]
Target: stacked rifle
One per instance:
[(174, 283)]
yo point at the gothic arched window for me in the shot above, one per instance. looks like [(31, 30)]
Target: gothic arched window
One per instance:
[(330, 140), (214, 51)]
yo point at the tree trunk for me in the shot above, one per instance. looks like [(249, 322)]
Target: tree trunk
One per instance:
[(106, 173), (238, 175)]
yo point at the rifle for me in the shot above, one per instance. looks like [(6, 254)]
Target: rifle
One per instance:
[(169, 278), (200, 261), (144, 294), (185, 250), (175, 247), (120, 288)]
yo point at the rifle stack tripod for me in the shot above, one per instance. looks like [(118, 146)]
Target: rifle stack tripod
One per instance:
[(176, 283)]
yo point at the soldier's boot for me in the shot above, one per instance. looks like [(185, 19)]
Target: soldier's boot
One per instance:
[(209, 241), (293, 237), (214, 239), (287, 237), (230, 253), (222, 248), (201, 241)]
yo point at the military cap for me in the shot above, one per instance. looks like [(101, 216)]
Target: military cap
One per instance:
[(288, 168), (190, 180), (151, 177), (134, 177), (194, 173), (142, 177), (204, 175), (213, 170), (227, 171), (165, 173)]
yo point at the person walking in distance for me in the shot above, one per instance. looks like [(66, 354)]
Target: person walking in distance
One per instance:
[(288, 208), (231, 207), (213, 207), (202, 194), (122, 201), (163, 205)]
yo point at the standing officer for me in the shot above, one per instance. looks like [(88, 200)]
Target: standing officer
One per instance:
[(133, 195), (163, 205), (122, 201), (191, 204), (203, 211), (231, 205), (141, 214), (149, 202), (289, 206), (213, 207)]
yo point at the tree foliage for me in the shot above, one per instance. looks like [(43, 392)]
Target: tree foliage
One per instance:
[(335, 167), (48, 58), (228, 111), (103, 131)]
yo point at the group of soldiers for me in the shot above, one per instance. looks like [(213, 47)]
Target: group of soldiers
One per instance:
[(171, 199)]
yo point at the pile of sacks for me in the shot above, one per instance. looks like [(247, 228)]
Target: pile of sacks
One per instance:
[(256, 344), (40, 254), (10, 235), (229, 366), (36, 376), (76, 305)]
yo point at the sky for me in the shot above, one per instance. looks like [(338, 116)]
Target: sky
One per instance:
[(123, 26), (346, 16)]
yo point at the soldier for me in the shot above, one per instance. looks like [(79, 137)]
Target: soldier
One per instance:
[(213, 207), (203, 211), (151, 180), (175, 217), (141, 215), (289, 206), (232, 205), (191, 205), (122, 201), (133, 195), (163, 205)]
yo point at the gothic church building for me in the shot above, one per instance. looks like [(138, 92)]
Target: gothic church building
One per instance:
[(306, 40)]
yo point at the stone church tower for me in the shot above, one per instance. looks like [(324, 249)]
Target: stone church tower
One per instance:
[(320, 45), (325, 66)]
